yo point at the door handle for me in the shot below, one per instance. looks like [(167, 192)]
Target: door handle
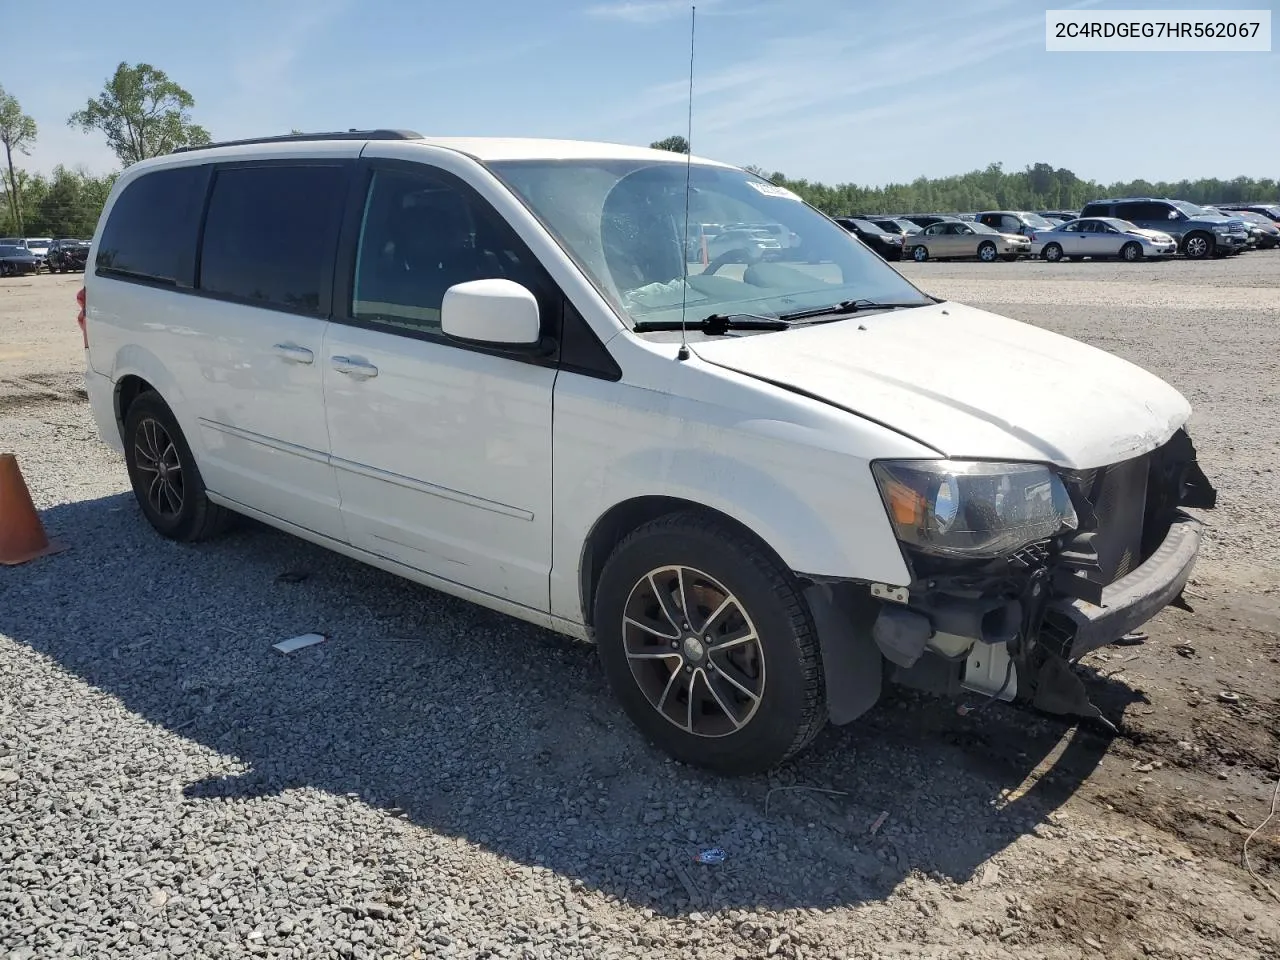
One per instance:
[(354, 367), (292, 353)]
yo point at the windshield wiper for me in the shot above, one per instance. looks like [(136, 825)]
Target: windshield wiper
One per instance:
[(844, 308), (716, 323)]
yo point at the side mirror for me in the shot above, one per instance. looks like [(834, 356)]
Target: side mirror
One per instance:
[(494, 313)]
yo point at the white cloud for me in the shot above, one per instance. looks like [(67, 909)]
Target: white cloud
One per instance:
[(646, 11)]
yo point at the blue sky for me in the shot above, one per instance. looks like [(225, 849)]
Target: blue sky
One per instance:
[(834, 90)]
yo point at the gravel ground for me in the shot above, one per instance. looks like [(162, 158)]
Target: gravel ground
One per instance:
[(438, 780)]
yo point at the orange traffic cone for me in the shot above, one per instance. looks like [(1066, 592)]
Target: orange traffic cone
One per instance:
[(22, 536)]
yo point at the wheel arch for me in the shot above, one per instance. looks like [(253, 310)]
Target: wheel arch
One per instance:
[(623, 518), (136, 370)]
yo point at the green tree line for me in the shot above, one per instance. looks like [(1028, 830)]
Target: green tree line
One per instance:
[(1037, 187), (64, 204)]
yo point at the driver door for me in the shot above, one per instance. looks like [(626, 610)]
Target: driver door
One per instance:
[(442, 451), (962, 240)]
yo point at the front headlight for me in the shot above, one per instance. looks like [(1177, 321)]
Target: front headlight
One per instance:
[(973, 509), (1221, 229)]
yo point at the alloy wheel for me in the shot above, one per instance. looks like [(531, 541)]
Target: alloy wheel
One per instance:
[(693, 651), (156, 457)]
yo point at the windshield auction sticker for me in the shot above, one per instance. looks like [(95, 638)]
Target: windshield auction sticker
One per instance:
[(772, 190)]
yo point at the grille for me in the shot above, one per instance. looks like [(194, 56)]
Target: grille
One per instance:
[(1118, 495)]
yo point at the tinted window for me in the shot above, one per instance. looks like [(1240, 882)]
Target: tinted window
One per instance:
[(151, 231), (1096, 210), (421, 235), (271, 233), (1142, 210)]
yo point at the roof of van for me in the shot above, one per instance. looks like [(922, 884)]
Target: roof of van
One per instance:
[(483, 149)]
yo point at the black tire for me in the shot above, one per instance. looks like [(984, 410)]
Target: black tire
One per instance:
[(987, 252), (1197, 246), (1052, 252), (196, 517), (790, 709), (920, 253)]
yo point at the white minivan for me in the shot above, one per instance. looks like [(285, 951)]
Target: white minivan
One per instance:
[(765, 487)]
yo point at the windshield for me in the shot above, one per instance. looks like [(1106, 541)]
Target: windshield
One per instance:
[(621, 222), (1035, 220), (866, 226), (7, 251), (1124, 226), (1190, 209)]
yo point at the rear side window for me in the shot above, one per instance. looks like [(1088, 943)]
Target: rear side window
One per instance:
[(271, 234), (150, 233)]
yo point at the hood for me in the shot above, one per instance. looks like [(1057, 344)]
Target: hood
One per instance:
[(1151, 234), (969, 384)]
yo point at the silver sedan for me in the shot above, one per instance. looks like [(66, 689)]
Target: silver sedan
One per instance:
[(1101, 237)]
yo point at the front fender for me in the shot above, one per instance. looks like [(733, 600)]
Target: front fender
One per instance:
[(806, 538)]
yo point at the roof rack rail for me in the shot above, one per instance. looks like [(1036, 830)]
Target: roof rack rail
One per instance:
[(352, 134)]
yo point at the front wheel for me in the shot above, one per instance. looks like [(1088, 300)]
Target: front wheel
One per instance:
[(708, 645), (164, 475), (1052, 252), (1197, 246), (920, 254), (987, 252), (1131, 251)]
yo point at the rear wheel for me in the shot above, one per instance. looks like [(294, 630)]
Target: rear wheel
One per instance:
[(708, 645), (1052, 252), (164, 475), (987, 252), (1131, 251)]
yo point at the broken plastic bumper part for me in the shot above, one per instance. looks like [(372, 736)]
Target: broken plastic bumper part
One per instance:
[(1133, 599)]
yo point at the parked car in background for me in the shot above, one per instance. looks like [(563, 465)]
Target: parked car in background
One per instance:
[(1199, 234), (1104, 237), (1065, 216), (1258, 235), (954, 239), (39, 246), (903, 228), (1270, 229), (923, 220), (66, 255), (888, 245), (1269, 210), (15, 261), (1017, 221)]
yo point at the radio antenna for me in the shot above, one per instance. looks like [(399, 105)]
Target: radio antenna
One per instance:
[(688, 177)]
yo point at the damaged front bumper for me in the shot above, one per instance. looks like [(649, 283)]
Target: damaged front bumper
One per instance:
[(1132, 600), (1011, 627)]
